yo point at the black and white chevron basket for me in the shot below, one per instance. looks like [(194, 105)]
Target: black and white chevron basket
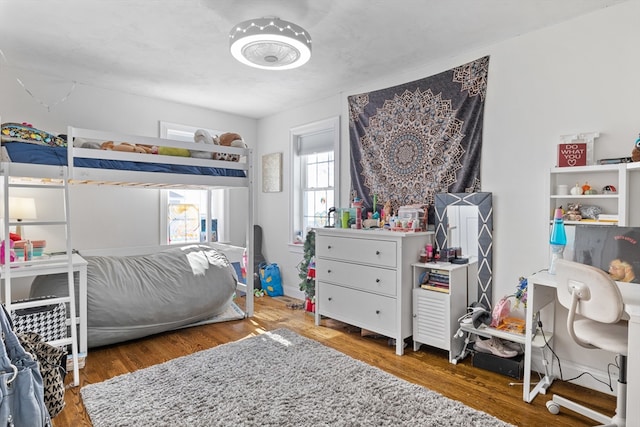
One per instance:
[(49, 321)]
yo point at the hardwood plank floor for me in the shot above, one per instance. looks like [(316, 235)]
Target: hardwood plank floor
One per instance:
[(478, 388)]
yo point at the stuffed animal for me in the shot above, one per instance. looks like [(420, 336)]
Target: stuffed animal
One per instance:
[(229, 139), (203, 137), (126, 147), (635, 153)]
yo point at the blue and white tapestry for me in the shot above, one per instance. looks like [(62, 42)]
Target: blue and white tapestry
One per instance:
[(417, 139)]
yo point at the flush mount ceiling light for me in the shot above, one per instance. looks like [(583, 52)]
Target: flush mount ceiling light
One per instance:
[(270, 44)]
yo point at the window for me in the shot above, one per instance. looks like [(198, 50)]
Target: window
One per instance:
[(314, 154), (186, 217), (184, 212)]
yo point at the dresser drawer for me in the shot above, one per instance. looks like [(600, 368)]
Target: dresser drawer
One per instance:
[(370, 311), (365, 277), (366, 251)]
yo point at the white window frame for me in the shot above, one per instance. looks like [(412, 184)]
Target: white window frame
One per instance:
[(220, 197), (295, 191)]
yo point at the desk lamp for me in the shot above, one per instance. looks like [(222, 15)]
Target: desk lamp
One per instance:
[(21, 208), (558, 240)]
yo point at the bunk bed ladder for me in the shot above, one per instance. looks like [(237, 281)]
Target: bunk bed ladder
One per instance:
[(43, 265)]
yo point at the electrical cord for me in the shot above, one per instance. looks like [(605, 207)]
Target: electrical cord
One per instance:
[(609, 365)]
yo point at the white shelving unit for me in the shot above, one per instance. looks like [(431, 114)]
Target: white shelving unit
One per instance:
[(436, 313), (46, 178), (597, 176)]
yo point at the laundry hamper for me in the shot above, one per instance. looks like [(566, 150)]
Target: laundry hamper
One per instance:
[(49, 321)]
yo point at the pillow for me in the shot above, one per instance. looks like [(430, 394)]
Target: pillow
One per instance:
[(16, 132)]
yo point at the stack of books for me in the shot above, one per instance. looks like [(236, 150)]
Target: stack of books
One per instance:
[(608, 217), (436, 280)]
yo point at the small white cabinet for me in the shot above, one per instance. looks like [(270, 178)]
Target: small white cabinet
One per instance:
[(364, 278), (436, 310)]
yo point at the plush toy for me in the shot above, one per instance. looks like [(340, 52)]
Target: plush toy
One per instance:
[(635, 153), (229, 139), (203, 137), (126, 147)]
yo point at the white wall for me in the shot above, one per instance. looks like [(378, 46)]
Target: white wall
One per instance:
[(580, 76), (104, 216)]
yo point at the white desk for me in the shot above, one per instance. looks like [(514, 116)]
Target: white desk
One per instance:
[(631, 297), (55, 265)]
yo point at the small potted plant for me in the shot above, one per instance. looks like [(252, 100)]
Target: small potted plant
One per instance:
[(306, 271)]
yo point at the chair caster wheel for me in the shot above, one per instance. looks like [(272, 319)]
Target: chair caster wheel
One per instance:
[(553, 407), (454, 361)]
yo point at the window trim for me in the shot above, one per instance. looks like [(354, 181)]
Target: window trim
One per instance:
[(295, 206)]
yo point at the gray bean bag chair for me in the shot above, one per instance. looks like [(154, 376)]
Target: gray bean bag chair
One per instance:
[(136, 296)]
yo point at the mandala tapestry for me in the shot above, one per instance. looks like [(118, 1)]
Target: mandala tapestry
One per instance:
[(417, 139)]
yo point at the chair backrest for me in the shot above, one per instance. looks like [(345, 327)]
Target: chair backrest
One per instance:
[(599, 297)]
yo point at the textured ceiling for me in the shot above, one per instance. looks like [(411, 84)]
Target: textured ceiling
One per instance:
[(178, 49)]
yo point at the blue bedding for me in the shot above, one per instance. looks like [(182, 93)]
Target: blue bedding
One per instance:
[(21, 152)]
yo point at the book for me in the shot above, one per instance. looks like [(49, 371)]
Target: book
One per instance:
[(435, 288), (608, 217), (615, 161)]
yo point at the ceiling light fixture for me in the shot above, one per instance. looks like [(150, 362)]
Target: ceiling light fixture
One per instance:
[(270, 44)]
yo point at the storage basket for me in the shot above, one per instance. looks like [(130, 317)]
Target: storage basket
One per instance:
[(49, 321)]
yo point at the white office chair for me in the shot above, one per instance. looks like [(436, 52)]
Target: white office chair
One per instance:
[(594, 321)]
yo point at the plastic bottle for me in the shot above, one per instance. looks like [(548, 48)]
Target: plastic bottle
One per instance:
[(558, 240), (28, 251), (357, 203)]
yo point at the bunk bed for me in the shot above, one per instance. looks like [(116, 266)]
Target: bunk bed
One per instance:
[(76, 160)]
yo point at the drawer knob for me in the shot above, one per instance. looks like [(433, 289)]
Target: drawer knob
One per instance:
[(328, 271), (329, 247), (377, 280), (377, 311), (329, 299), (377, 252)]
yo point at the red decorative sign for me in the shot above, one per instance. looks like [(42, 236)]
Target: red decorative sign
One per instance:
[(572, 154)]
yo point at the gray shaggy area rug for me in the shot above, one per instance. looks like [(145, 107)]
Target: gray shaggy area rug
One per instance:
[(274, 379)]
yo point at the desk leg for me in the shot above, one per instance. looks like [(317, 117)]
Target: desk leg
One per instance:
[(526, 386), (633, 368), (82, 291)]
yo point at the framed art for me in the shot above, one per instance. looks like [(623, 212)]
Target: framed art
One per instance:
[(272, 173), (576, 149)]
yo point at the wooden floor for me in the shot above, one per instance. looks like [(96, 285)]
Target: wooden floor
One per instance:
[(429, 367)]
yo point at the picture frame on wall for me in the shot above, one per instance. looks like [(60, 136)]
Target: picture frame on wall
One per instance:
[(272, 173)]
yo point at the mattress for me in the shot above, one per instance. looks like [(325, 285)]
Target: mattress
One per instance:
[(22, 152)]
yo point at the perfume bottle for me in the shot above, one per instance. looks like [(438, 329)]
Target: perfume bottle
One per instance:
[(558, 240)]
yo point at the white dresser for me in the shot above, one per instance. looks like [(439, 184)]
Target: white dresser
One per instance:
[(364, 278)]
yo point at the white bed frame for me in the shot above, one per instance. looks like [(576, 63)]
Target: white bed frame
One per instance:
[(156, 180)]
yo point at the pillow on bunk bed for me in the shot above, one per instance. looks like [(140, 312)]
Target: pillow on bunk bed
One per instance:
[(136, 296), (23, 132)]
